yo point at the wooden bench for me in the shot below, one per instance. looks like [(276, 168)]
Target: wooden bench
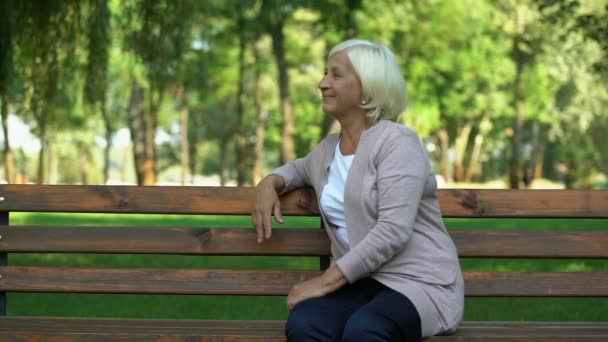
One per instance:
[(480, 243)]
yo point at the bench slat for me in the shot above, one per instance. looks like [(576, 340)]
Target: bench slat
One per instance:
[(536, 284), (530, 243), (524, 203), (70, 336), (275, 282), (79, 329), (145, 199), (142, 330), (285, 241), (237, 201), (160, 281), (165, 240)]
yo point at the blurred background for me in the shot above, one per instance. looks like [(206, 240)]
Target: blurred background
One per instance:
[(503, 93)]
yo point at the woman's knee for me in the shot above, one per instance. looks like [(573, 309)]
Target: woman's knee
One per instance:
[(297, 326), (365, 328), (373, 327), (306, 323)]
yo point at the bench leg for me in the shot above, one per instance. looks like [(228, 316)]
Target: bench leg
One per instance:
[(3, 262)]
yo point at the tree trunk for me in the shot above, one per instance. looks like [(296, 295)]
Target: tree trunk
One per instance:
[(53, 167), (260, 127), (40, 172), (224, 147), (474, 166), (151, 124), (535, 156), (240, 141), (109, 132), (538, 166), (185, 162), (514, 164), (9, 166), (519, 99), (193, 134), (140, 127), (460, 150), (22, 175), (278, 47), (444, 144), (42, 152), (124, 171), (84, 166)]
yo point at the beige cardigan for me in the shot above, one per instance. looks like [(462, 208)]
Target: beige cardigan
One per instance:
[(394, 223)]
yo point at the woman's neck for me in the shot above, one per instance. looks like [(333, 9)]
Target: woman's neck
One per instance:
[(351, 133)]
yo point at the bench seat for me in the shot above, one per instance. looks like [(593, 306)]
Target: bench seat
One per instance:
[(521, 240), (99, 329)]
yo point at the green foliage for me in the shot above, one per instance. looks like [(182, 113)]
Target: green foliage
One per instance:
[(158, 33), (63, 61), (96, 83), (7, 32)]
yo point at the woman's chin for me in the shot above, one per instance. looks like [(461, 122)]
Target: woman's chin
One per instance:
[(327, 110)]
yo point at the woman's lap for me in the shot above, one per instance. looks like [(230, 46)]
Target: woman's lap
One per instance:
[(363, 311)]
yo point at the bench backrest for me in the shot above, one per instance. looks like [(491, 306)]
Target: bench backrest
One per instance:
[(455, 203)]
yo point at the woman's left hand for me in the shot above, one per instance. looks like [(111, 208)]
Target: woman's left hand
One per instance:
[(328, 282)]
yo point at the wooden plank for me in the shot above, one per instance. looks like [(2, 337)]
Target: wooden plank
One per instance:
[(171, 326), (275, 282), (145, 199), (69, 336), (4, 219), (524, 203), (530, 243), (91, 329), (163, 240), (96, 329), (238, 201), (536, 284), (527, 331), (285, 241), (161, 281)]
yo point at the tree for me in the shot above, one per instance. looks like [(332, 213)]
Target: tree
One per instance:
[(96, 84), (338, 22), (521, 22), (158, 33), (274, 14), (261, 114), (48, 39), (582, 71), (7, 28)]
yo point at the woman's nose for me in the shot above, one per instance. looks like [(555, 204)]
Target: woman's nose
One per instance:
[(323, 84)]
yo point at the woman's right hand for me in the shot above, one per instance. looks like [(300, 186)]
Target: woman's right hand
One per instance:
[(266, 203)]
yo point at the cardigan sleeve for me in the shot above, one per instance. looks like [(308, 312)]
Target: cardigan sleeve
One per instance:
[(402, 170), (295, 174), (300, 172)]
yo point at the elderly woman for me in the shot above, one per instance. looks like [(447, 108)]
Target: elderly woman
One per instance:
[(395, 274)]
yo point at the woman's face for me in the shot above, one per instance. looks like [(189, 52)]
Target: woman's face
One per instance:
[(340, 87)]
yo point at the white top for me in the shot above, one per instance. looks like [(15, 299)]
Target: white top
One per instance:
[(332, 196)]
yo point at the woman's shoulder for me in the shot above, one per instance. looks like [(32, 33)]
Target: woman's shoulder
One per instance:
[(329, 140), (390, 131), (327, 144)]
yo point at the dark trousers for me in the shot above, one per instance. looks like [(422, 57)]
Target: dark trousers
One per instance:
[(364, 311)]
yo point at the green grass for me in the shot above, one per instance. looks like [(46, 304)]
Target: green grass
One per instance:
[(241, 307)]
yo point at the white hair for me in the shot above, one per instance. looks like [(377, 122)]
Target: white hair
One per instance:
[(383, 86)]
